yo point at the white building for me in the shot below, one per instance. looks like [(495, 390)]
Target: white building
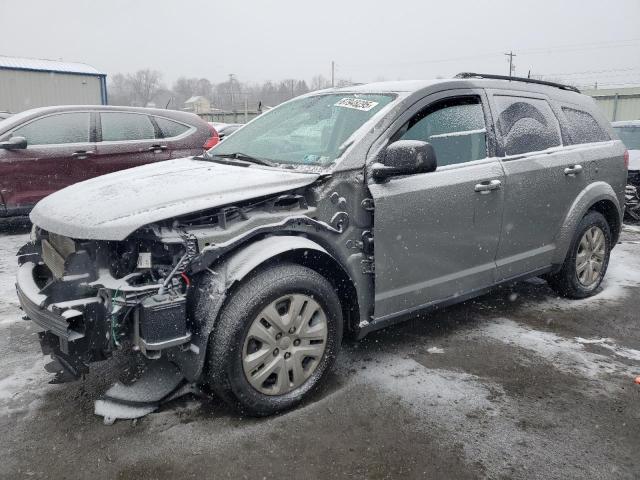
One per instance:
[(198, 104)]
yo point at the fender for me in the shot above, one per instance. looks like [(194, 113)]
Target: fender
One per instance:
[(239, 264), (224, 273), (592, 194)]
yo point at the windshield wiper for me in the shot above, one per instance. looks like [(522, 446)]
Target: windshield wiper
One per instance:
[(246, 158)]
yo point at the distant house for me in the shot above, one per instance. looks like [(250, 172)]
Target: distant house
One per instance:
[(198, 104), (31, 82)]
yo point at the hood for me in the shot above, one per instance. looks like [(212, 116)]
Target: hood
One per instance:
[(634, 160), (113, 206)]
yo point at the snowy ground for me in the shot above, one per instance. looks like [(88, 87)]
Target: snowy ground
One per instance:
[(516, 384)]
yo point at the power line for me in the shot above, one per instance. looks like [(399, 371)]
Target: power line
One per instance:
[(531, 51), (586, 72)]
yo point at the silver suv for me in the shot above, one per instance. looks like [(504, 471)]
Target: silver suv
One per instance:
[(339, 212)]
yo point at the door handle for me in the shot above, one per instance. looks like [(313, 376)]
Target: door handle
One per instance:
[(573, 170), (489, 186), (155, 148), (82, 154)]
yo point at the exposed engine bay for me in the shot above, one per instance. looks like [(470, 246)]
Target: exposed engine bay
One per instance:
[(93, 297)]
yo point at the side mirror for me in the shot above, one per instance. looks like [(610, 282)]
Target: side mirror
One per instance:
[(14, 143), (405, 157)]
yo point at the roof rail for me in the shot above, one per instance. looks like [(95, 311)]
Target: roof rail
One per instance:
[(517, 79)]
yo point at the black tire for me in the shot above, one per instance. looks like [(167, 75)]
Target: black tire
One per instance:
[(225, 373), (566, 282)]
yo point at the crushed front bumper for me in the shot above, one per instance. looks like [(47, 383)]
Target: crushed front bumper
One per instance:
[(75, 331)]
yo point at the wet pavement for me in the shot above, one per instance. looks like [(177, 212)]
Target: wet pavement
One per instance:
[(515, 384)]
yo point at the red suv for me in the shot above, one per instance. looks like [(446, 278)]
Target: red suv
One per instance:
[(46, 149)]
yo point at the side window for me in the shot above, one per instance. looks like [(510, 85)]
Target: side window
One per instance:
[(170, 128), (526, 124), (455, 128), (582, 127), (56, 129), (118, 126)]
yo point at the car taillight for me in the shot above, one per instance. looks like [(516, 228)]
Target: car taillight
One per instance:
[(212, 140), (626, 159)]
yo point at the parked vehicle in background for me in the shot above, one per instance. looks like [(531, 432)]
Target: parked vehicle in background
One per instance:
[(629, 133), (342, 211), (225, 129), (46, 149)]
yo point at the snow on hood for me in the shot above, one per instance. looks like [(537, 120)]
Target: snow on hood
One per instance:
[(113, 206)]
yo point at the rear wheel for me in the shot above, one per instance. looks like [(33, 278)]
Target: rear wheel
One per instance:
[(587, 259), (275, 340)]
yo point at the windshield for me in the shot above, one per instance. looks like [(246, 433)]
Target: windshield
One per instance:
[(308, 131), (630, 136)]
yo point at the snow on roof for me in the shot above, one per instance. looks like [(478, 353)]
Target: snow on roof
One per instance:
[(195, 99), (18, 63)]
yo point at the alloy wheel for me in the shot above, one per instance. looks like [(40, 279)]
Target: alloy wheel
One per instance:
[(590, 256)]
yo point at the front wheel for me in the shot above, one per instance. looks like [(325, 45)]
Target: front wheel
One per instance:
[(587, 259), (275, 339)]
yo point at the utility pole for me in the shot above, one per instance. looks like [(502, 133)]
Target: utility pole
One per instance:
[(333, 74), (512, 67), (231, 75)]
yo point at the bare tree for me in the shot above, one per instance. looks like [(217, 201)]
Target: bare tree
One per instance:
[(138, 89), (119, 90), (318, 82), (145, 84)]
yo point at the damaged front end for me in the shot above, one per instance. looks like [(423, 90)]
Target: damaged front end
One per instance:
[(92, 297)]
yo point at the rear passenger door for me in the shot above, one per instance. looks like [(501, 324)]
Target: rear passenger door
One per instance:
[(543, 179), (178, 137), (127, 139)]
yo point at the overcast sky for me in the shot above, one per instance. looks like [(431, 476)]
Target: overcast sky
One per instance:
[(369, 40)]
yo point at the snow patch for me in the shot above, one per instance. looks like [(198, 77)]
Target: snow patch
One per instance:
[(22, 391), (609, 344), (428, 391), (567, 355), (435, 350)]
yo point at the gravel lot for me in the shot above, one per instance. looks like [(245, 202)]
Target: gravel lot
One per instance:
[(516, 384)]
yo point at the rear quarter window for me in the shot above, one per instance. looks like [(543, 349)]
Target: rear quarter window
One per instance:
[(583, 128), (170, 128), (526, 124)]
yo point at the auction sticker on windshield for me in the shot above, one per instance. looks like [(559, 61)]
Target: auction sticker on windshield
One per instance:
[(356, 103)]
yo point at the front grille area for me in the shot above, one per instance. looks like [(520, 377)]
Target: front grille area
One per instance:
[(55, 251), (65, 246)]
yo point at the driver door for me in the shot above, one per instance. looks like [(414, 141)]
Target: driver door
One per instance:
[(436, 234)]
